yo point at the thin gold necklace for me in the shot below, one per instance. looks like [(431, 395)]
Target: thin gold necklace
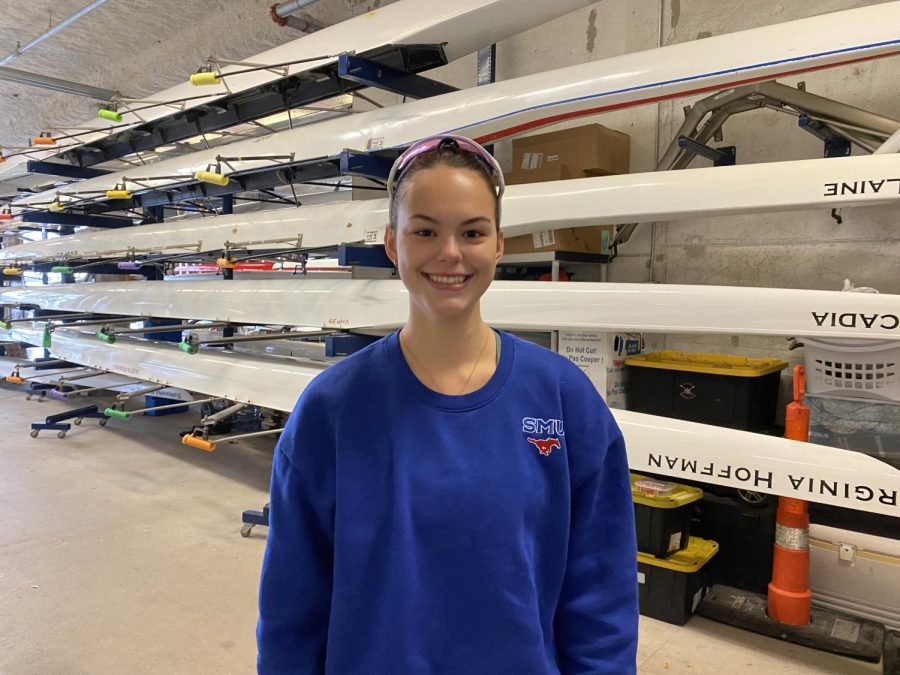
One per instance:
[(405, 343)]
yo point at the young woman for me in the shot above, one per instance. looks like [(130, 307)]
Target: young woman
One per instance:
[(451, 499)]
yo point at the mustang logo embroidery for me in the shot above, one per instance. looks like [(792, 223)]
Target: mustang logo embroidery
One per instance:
[(545, 445)]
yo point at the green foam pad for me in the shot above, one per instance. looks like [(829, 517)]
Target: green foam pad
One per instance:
[(188, 348)]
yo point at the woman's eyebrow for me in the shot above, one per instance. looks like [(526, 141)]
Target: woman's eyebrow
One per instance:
[(467, 222), (476, 219), (422, 216)]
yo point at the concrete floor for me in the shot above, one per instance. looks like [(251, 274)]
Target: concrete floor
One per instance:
[(120, 552)]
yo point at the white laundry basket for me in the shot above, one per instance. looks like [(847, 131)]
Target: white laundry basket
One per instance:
[(858, 368)]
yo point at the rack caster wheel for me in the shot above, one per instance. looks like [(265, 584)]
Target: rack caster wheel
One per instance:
[(61, 434), (77, 421), (245, 530), (34, 433), (27, 397), (103, 422)]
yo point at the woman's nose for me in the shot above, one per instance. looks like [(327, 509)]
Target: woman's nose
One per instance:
[(450, 249)]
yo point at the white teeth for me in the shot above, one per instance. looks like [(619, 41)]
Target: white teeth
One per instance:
[(450, 281)]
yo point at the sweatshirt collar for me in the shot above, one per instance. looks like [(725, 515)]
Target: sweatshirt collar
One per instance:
[(436, 399)]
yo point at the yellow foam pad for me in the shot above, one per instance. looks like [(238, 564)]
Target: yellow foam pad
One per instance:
[(211, 177), (201, 79)]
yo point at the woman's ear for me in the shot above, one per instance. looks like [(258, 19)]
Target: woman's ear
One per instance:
[(390, 243), (500, 245)]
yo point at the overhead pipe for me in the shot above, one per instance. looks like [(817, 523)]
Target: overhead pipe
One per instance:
[(53, 31), (280, 13), (53, 83)]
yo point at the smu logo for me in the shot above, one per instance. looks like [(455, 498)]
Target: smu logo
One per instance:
[(538, 426)]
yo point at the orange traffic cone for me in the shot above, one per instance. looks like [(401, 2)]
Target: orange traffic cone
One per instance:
[(789, 594)]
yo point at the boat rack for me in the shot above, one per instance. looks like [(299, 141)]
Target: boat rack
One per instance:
[(58, 422), (63, 388), (393, 68)]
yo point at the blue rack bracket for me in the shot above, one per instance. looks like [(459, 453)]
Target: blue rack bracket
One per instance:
[(835, 144), (372, 74), (346, 344), (724, 156), (350, 255), (67, 170), (367, 165), (75, 219)]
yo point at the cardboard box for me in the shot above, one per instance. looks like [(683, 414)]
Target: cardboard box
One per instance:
[(549, 171), (588, 150), (593, 239), (13, 351)]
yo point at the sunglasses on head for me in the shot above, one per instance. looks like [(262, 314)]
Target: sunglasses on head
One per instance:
[(435, 143)]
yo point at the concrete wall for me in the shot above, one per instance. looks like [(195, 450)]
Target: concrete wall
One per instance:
[(785, 250)]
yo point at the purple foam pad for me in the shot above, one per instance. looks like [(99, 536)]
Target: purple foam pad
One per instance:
[(57, 394), (128, 265)]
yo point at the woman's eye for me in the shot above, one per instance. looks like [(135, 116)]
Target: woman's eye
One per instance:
[(424, 233), (474, 234)]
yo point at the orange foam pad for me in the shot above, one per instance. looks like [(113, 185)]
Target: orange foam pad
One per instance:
[(198, 443)]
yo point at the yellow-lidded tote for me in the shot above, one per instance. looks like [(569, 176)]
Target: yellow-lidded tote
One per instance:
[(730, 391), (662, 516), (669, 589)]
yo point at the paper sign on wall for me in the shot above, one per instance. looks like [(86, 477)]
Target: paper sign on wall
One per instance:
[(601, 357)]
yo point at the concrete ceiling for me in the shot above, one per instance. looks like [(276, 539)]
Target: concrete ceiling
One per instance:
[(136, 48)]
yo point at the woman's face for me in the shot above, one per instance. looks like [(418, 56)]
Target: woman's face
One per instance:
[(445, 243)]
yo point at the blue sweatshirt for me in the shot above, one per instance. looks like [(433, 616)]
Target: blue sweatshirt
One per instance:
[(414, 532)]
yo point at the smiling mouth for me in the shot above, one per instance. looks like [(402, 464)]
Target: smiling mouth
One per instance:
[(448, 280)]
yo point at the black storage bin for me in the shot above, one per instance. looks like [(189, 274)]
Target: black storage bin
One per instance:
[(746, 535), (662, 514), (719, 389), (670, 589)]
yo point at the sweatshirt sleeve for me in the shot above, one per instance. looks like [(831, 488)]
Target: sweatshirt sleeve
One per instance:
[(296, 579), (596, 622)]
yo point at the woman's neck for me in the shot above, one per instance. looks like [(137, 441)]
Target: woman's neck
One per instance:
[(446, 342), (453, 356)]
